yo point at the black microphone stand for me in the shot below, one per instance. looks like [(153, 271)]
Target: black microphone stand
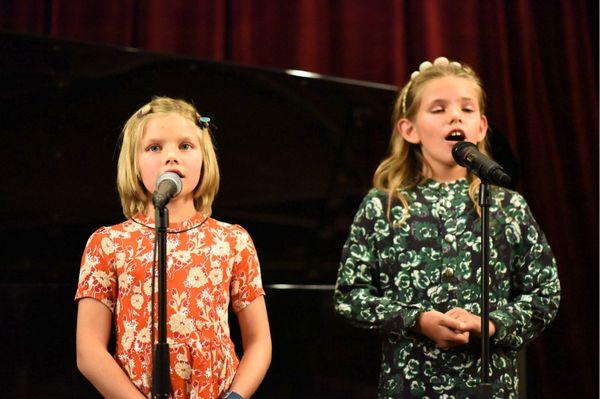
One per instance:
[(485, 387), (161, 379)]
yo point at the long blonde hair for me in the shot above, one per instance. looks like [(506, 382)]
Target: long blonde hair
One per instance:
[(134, 196), (403, 168)]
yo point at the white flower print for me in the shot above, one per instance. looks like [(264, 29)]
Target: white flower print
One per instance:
[(216, 276), (120, 258), (220, 247), (107, 246), (196, 277), (127, 338), (181, 324), (144, 335), (102, 278), (182, 256), (183, 370), (125, 281), (242, 242), (137, 301), (148, 286)]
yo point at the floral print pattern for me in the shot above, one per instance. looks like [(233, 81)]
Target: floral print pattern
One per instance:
[(207, 268), (391, 272)]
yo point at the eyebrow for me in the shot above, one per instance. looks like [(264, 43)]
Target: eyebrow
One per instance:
[(441, 100), (186, 137)]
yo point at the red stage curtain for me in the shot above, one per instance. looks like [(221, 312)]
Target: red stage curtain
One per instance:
[(538, 61)]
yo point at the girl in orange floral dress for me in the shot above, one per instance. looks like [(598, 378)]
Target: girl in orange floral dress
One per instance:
[(210, 264)]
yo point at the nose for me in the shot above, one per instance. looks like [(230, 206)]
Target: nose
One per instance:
[(455, 115), (171, 156)]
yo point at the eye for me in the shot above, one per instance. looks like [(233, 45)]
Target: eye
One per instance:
[(153, 148), (437, 110), (468, 109), (186, 146)]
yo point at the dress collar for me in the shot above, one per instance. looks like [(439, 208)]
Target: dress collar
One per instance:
[(459, 183), (178, 227)]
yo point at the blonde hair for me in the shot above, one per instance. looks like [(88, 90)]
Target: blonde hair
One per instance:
[(403, 168), (134, 196)]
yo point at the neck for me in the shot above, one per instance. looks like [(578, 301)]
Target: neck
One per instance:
[(445, 173), (180, 209)]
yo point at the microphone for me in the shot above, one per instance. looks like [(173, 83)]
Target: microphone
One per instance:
[(466, 154), (168, 185)]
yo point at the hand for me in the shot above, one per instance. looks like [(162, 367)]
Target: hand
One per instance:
[(472, 322), (447, 332)]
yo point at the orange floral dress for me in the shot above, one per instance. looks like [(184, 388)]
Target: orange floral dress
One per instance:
[(207, 267)]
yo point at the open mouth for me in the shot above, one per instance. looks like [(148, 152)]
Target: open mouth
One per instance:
[(178, 173), (456, 135)]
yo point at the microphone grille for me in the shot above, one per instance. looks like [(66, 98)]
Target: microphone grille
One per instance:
[(461, 150), (171, 176)]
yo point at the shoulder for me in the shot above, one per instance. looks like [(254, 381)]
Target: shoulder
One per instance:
[(375, 199), (376, 193), (225, 227), (511, 208), (120, 230), (234, 232), (372, 208), (507, 197), (509, 201)]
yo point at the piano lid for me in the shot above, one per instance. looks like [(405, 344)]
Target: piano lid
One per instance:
[(289, 142)]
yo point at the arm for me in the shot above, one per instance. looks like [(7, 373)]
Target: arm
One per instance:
[(535, 288), (256, 340), (357, 295), (93, 359)]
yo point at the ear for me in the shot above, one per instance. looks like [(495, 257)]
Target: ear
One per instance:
[(483, 126), (408, 131)]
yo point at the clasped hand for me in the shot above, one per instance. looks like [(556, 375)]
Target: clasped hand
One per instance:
[(450, 329)]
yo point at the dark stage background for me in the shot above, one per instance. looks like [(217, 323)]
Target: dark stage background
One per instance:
[(297, 153)]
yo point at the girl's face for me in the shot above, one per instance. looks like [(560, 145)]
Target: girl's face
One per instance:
[(170, 143), (449, 112)]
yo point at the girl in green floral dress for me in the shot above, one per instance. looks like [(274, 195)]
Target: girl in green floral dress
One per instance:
[(411, 264)]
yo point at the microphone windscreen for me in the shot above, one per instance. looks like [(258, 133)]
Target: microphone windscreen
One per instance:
[(461, 150), (173, 177)]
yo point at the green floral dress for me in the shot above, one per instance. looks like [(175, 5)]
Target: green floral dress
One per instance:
[(391, 272)]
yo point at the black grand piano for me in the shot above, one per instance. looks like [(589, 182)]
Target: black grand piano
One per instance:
[(297, 151)]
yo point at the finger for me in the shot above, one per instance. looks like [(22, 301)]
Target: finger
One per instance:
[(452, 323), (451, 312), (456, 311), (472, 325), (458, 339), (443, 345)]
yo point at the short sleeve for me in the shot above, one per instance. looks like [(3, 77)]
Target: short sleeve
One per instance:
[(97, 275), (246, 283)]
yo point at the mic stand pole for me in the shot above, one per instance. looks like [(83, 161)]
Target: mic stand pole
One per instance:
[(485, 387), (161, 380)]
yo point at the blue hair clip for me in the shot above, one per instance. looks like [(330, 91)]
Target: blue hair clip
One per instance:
[(203, 122)]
